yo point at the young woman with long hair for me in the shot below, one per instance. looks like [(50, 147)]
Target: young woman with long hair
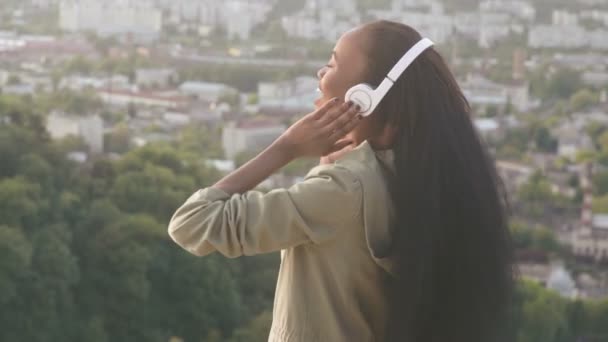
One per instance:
[(400, 234)]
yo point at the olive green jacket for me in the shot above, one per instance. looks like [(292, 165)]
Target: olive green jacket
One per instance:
[(332, 230)]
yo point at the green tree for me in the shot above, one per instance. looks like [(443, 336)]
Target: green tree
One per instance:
[(119, 140), (563, 84), (595, 129), (155, 189), (600, 204), (536, 195), (21, 203), (13, 79), (194, 297), (600, 183), (252, 99), (199, 141), (515, 143), (119, 257), (231, 98), (537, 189), (491, 111), (542, 314), (54, 273), (583, 99), (539, 238), (79, 65), (544, 140), (15, 260), (598, 316)]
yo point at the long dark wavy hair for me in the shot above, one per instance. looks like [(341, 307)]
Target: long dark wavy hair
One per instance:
[(451, 239)]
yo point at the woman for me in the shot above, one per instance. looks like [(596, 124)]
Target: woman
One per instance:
[(399, 234)]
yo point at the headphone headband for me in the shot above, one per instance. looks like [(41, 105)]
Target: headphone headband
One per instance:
[(408, 58)]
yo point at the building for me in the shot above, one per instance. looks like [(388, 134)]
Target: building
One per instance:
[(89, 128), (176, 119), (19, 89), (126, 98), (467, 24), (493, 27), (513, 174), (593, 287), (567, 36), (430, 21), (594, 78), (580, 61), (568, 133), (518, 94), (597, 39), (249, 135), (297, 93), (9, 41), (483, 93), (155, 78), (44, 4), (108, 18), (520, 9), (322, 19), (79, 83), (236, 17), (564, 18), (554, 36), (206, 91), (560, 281), (489, 128), (437, 26), (301, 26), (596, 15), (570, 142), (36, 48)]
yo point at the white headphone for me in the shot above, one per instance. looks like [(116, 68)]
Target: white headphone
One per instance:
[(367, 97)]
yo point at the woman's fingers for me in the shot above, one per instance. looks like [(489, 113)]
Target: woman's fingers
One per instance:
[(350, 125), (333, 113), (344, 123), (320, 113)]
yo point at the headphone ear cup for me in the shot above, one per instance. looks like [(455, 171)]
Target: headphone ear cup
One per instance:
[(361, 94)]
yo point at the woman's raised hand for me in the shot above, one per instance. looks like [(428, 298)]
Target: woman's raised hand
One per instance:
[(317, 133)]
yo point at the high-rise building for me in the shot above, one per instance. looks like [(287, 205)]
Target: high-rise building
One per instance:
[(110, 17)]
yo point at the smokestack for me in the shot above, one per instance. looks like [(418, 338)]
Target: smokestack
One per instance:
[(586, 210), (519, 69)]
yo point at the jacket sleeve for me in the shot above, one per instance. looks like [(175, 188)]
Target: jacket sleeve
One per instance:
[(254, 222)]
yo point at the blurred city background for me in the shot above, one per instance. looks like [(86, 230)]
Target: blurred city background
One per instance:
[(113, 112)]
